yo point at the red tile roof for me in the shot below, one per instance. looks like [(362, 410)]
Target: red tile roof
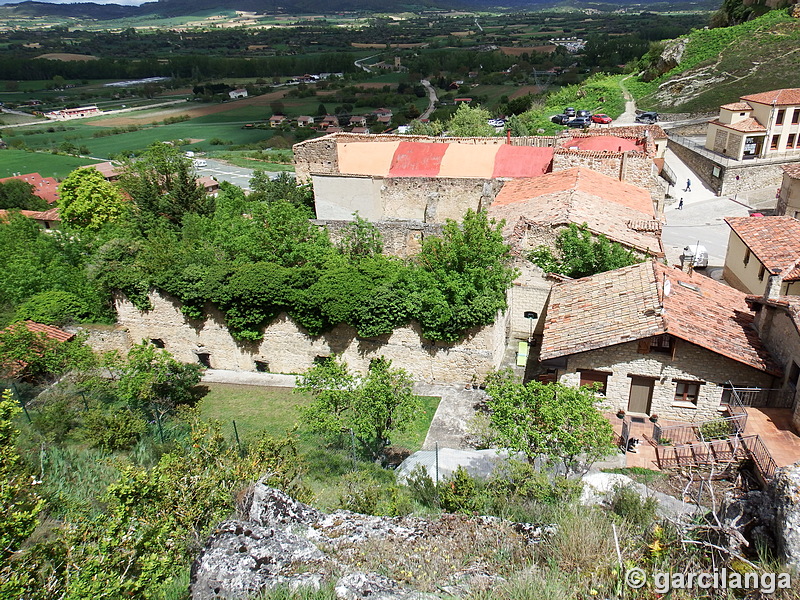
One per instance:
[(775, 241), (778, 97), (44, 187), (749, 125), (54, 333), (737, 106), (792, 170), (622, 212), (108, 169), (650, 299), (45, 215)]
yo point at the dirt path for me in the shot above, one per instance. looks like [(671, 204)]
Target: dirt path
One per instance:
[(629, 116), (431, 99)]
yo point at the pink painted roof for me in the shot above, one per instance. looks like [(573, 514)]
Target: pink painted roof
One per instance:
[(610, 143), (522, 161)]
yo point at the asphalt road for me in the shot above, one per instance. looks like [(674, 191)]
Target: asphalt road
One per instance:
[(221, 171)]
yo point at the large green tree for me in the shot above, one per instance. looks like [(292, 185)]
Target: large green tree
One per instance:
[(372, 407), (88, 201), (580, 253), (549, 420), (470, 121), (19, 194)]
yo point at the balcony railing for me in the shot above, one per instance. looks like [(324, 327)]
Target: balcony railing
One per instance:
[(762, 397)]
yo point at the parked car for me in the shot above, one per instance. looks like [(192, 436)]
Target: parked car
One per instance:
[(560, 119), (696, 254), (601, 118), (583, 113), (579, 122), (200, 162), (647, 117), (569, 111)]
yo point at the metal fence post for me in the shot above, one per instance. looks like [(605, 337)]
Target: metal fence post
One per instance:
[(236, 435)]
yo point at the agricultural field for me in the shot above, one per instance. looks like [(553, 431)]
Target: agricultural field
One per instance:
[(44, 163)]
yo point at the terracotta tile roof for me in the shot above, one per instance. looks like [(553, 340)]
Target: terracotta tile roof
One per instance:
[(775, 241), (749, 125), (636, 131), (622, 212), (46, 215), (609, 143), (54, 333), (778, 97), (44, 187), (650, 299), (108, 169), (737, 106), (792, 170)]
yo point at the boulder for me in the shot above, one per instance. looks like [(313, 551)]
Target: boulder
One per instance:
[(785, 495), (363, 586), (270, 507)]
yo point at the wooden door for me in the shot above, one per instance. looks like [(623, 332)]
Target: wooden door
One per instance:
[(641, 395)]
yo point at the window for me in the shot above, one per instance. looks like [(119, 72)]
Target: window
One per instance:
[(794, 373), (157, 342), (262, 366), (204, 358), (779, 118), (687, 391), (774, 143), (790, 141), (761, 271), (746, 256), (590, 378), (662, 343), (742, 114), (796, 116)]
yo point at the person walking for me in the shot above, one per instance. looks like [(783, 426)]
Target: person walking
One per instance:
[(688, 185), (680, 204)]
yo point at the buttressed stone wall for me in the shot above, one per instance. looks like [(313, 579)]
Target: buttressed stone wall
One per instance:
[(287, 348)]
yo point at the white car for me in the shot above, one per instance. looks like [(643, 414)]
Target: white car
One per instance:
[(199, 162), (696, 254)]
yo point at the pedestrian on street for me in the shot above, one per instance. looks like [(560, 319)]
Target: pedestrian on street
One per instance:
[(688, 185), (680, 204)]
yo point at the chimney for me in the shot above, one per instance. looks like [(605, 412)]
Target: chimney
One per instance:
[(773, 290)]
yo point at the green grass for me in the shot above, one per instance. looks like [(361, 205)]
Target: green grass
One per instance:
[(240, 159), (44, 163), (276, 411)]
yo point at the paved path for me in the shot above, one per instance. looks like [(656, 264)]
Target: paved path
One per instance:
[(432, 99), (456, 409), (249, 378), (629, 116)]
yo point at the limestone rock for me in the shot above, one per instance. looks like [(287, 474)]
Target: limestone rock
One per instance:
[(785, 492), (242, 558), (272, 508), (362, 586), (672, 54)]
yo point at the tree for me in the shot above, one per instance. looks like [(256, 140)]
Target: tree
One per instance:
[(153, 381), (548, 420), (432, 128), (88, 201), (29, 355), (373, 406), (19, 504), (19, 194), (579, 253), (470, 122), (360, 238), (283, 187)]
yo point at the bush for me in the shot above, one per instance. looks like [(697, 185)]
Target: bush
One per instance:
[(113, 431), (422, 487), (716, 430), (517, 481), (628, 504), (53, 307), (360, 493), (458, 492)]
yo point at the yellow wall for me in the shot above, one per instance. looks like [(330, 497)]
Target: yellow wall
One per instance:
[(741, 276)]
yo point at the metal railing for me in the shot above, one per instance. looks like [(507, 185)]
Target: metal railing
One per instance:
[(700, 453), (668, 175), (727, 161), (763, 460), (691, 433), (764, 397)]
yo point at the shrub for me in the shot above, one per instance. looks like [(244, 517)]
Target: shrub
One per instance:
[(53, 307), (458, 492), (113, 431), (716, 430), (516, 480), (422, 487), (361, 493), (628, 504)]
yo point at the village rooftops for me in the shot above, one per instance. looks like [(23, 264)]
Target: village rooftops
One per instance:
[(775, 242), (749, 125), (785, 97), (792, 170), (737, 106), (650, 299), (44, 187), (622, 212)]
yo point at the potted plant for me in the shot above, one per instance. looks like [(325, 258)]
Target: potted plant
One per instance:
[(620, 414), (654, 418)]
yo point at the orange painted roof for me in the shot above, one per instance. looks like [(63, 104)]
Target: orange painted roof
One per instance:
[(783, 97), (650, 299)]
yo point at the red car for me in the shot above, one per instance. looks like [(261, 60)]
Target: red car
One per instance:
[(601, 118)]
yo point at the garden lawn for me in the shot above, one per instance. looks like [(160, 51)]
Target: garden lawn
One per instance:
[(44, 163), (276, 410)]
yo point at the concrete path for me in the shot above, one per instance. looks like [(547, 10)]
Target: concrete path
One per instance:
[(456, 409), (432, 99), (249, 378)]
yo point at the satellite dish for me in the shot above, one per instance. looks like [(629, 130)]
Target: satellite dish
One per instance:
[(667, 287)]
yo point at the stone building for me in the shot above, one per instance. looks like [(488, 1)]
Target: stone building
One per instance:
[(657, 340), (763, 255)]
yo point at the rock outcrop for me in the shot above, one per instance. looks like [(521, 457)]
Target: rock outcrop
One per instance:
[(785, 496), (283, 542)]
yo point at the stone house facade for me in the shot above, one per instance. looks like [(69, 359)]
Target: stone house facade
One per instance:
[(789, 193), (656, 340)]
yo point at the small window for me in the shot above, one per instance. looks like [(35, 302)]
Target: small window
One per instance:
[(687, 391), (774, 143), (321, 360), (594, 378), (794, 373), (157, 342), (204, 358), (746, 256), (790, 141), (662, 343), (796, 116), (262, 366), (779, 117), (761, 271), (742, 114)]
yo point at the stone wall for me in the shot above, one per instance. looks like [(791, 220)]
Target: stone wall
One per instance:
[(706, 169), (287, 348), (106, 338), (400, 238), (424, 199), (691, 363), (529, 292), (632, 167)]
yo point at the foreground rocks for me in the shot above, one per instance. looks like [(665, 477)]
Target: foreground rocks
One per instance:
[(283, 542)]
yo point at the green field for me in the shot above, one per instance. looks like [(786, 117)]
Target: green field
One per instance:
[(44, 163)]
